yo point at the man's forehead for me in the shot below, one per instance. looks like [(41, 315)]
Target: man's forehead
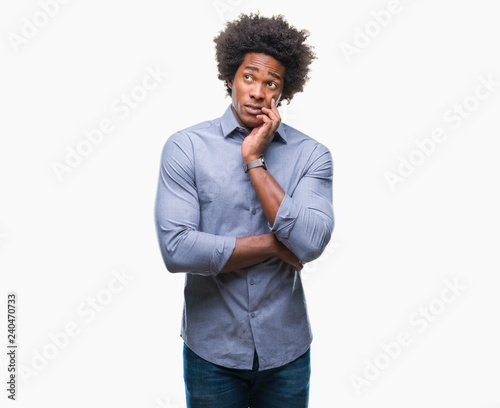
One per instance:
[(263, 63)]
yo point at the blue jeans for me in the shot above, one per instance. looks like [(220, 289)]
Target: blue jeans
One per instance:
[(212, 386)]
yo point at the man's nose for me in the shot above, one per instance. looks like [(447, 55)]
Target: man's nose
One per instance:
[(257, 91)]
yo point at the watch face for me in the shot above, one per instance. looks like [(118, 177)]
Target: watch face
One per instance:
[(263, 163)]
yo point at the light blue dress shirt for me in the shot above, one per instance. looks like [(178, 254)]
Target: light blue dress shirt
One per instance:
[(204, 202)]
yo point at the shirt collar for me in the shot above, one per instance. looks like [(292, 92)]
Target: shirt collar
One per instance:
[(229, 124)]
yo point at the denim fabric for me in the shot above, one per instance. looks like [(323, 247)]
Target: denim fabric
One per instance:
[(212, 386)]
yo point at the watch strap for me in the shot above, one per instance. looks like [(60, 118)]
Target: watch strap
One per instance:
[(254, 163)]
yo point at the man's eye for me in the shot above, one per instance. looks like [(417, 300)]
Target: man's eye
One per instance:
[(246, 76), (272, 85)]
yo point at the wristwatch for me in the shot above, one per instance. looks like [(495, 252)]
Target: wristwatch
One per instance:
[(255, 163)]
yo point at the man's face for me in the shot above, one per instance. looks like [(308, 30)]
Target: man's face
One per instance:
[(259, 79)]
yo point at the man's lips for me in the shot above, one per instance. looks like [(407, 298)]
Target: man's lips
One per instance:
[(253, 109)]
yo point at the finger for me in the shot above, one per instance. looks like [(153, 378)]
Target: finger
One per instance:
[(271, 116), (272, 113), (264, 118), (274, 109), (262, 130)]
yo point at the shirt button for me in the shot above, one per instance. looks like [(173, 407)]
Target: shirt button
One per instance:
[(252, 314), (252, 281), (254, 211)]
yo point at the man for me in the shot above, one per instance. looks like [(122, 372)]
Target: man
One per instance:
[(243, 202)]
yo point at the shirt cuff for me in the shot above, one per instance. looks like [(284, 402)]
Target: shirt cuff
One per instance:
[(285, 218), (224, 247)]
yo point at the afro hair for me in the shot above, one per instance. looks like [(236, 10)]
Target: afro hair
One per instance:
[(272, 36)]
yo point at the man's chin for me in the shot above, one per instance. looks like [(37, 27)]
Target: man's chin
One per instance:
[(252, 122)]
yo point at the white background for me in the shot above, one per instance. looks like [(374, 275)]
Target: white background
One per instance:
[(391, 251)]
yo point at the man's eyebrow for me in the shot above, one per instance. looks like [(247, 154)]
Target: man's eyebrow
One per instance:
[(268, 72)]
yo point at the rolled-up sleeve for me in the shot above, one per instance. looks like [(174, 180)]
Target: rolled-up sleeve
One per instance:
[(177, 214), (304, 221)]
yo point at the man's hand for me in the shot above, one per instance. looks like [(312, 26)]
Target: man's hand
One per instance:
[(288, 256), (257, 142)]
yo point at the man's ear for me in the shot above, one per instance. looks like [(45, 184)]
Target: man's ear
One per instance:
[(230, 84)]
